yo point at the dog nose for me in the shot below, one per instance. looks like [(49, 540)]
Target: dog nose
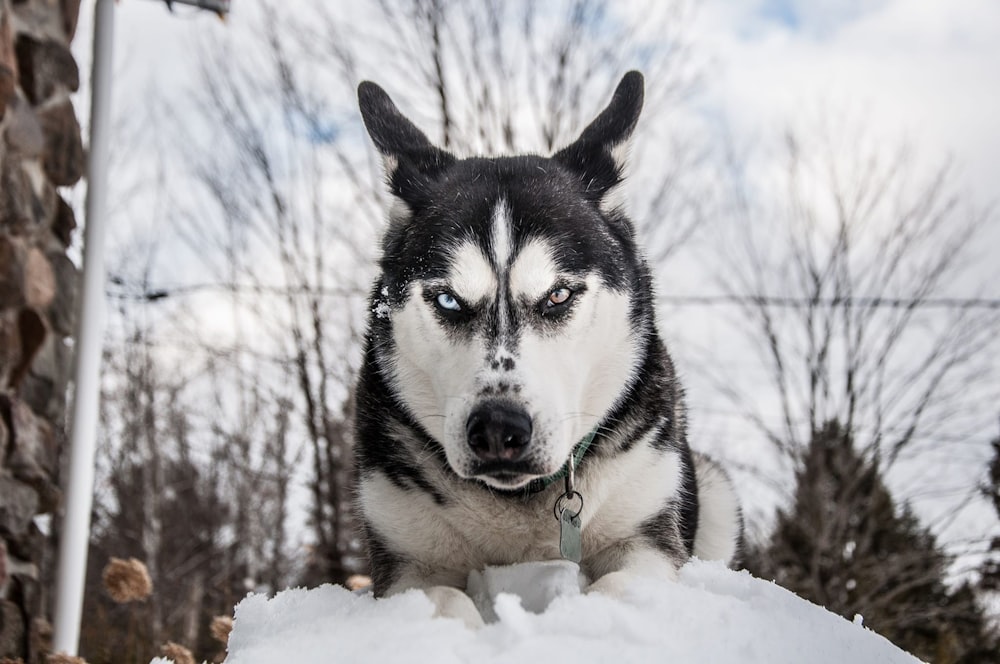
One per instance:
[(498, 432)]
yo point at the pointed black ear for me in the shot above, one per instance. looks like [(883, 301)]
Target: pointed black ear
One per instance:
[(411, 161), (598, 156)]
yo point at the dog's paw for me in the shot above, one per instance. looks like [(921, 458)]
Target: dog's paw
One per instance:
[(623, 570), (615, 584), (453, 603)]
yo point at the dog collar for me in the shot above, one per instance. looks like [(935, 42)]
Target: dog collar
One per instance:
[(542, 483)]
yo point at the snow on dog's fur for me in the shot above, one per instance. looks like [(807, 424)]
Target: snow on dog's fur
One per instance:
[(512, 317)]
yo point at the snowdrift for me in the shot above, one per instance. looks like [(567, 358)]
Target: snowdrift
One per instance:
[(711, 615)]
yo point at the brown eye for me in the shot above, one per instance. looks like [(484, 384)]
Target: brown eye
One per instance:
[(558, 301), (559, 296)]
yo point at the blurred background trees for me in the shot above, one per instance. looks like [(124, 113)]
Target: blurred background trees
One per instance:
[(847, 544), (845, 278), (239, 301)]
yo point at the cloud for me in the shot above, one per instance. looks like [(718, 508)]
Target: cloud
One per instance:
[(917, 69)]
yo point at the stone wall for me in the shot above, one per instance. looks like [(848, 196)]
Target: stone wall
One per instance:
[(40, 151)]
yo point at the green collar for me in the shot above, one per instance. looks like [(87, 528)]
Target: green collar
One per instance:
[(542, 483)]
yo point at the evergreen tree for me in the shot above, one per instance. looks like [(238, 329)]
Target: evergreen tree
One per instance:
[(991, 566), (845, 544)]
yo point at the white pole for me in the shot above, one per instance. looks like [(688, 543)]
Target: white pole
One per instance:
[(87, 364)]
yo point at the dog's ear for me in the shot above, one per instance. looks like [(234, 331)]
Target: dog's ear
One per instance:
[(598, 156), (411, 161)]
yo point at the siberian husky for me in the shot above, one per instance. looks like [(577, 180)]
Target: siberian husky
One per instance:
[(516, 402)]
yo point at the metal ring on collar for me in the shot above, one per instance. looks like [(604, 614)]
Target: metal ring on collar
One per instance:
[(557, 509)]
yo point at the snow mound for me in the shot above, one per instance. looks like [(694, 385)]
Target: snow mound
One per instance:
[(712, 614)]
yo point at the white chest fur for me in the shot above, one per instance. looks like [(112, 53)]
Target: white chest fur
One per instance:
[(475, 529)]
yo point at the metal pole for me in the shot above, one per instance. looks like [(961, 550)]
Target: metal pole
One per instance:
[(87, 364)]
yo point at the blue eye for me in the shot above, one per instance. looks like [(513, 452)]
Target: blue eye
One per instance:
[(448, 301)]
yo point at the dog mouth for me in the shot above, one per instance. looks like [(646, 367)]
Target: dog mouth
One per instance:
[(507, 475)]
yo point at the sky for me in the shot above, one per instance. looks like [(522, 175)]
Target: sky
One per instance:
[(924, 71)]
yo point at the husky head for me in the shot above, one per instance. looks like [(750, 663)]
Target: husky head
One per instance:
[(512, 310)]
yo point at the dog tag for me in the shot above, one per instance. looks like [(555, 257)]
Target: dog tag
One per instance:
[(570, 546)]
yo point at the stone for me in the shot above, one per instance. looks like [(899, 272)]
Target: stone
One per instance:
[(44, 387), (15, 196), (43, 18), (27, 198), (18, 508), (71, 14), (24, 133), (11, 272), (8, 77), (24, 548), (62, 310), (10, 353), (33, 454), (25, 575), (39, 280), (11, 630), (64, 157), (25, 594), (41, 148), (37, 391), (42, 198), (31, 331), (4, 576), (64, 222), (4, 443), (49, 500), (7, 86), (6, 37), (45, 67)]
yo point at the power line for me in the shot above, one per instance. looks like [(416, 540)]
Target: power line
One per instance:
[(803, 302), (154, 294)]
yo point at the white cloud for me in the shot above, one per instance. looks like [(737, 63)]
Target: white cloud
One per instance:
[(919, 69)]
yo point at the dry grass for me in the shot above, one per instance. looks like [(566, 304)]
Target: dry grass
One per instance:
[(220, 628), (178, 653), (60, 658), (127, 580)]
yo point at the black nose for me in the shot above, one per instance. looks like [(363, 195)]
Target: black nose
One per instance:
[(498, 432)]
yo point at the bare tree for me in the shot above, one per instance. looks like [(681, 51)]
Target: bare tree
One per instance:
[(849, 269), (288, 201), (494, 77), (854, 272), (293, 203)]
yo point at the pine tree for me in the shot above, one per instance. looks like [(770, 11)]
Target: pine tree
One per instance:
[(845, 544), (991, 566)]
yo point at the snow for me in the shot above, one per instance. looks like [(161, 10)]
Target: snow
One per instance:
[(711, 614), (534, 585)]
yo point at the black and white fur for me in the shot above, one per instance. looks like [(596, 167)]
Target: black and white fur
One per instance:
[(513, 314)]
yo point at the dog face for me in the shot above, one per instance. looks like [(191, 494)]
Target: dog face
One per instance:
[(505, 318)]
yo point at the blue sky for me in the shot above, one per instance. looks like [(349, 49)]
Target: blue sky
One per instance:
[(816, 16)]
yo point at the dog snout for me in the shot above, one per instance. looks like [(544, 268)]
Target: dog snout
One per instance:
[(498, 432)]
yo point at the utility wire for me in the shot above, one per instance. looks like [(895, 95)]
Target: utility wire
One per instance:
[(803, 302), (157, 294)]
